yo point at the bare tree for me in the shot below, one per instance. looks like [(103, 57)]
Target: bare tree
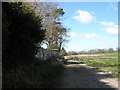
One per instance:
[(51, 19), (110, 50)]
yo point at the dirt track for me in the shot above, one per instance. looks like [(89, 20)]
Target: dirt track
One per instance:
[(78, 75)]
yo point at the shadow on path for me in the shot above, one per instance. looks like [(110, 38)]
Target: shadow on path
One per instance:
[(77, 75)]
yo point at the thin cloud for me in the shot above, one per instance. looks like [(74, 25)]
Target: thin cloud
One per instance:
[(106, 23), (113, 5), (93, 35), (101, 38), (113, 30), (110, 27), (88, 35), (84, 16)]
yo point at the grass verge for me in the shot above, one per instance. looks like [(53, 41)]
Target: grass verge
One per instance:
[(109, 66), (106, 62), (36, 75)]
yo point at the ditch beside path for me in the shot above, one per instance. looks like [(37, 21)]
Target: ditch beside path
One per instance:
[(77, 75)]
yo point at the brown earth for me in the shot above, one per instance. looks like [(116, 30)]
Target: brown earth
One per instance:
[(77, 75)]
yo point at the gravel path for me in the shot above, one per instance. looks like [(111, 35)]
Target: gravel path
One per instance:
[(78, 75)]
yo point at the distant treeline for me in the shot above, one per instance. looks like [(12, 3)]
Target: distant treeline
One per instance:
[(93, 51)]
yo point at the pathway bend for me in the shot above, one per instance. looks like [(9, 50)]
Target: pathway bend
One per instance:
[(77, 75)]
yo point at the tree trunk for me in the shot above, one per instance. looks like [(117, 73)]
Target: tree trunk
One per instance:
[(60, 47)]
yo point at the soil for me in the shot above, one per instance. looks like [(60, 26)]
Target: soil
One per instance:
[(78, 75)]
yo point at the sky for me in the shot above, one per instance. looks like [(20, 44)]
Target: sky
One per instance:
[(92, 25)]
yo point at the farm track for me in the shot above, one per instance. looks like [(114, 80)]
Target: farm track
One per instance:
[(77, 75)]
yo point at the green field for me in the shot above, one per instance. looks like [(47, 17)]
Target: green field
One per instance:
[(107, 62)]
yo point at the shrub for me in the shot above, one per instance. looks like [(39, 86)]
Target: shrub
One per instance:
[(22, 33)]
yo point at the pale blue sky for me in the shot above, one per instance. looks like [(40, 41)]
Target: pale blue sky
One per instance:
[(92, 25)]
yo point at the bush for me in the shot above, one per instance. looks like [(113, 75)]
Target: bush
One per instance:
[(21, 33)]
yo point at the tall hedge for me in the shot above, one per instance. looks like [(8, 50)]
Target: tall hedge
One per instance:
[(21, 33)]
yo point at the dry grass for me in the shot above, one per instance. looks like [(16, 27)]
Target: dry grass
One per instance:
[(82, 55)]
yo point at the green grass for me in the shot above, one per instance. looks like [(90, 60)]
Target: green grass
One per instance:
[(35, 75), (105, 65), (52, 76), (115, 54)]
